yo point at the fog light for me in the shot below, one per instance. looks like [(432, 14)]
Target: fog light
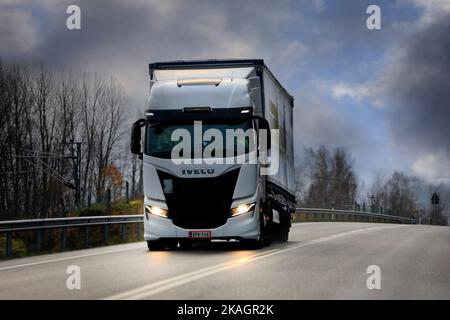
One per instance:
[(157, 211), (241, 209)]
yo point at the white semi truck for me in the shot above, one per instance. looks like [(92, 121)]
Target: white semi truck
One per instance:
[(199, 200)]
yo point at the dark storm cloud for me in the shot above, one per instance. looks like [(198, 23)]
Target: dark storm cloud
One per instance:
[(303, 42), (160, 29), (419, 88), (294, 37), (120, 38)]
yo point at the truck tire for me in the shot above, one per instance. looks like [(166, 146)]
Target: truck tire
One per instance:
[(252, 244), (162, 244), (255, 244), (185, 244), (267, 230)]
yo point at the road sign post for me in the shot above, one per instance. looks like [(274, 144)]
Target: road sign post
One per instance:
[(434, 203)]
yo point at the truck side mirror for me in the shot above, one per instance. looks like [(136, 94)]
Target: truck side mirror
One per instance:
[(264, 124), (135, 143)]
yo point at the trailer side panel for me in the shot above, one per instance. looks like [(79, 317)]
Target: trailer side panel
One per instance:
[(278, 110)]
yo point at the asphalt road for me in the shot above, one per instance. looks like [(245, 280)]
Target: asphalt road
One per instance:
[(320, 261)]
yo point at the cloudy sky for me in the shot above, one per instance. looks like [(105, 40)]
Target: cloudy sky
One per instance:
[(382, 94)]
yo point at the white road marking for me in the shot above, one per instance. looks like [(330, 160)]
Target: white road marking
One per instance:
[(222, 266), (176, 281), (136, 246)]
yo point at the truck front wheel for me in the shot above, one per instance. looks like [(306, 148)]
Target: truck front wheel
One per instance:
[(161, 244), (264, 237), (252, 244)]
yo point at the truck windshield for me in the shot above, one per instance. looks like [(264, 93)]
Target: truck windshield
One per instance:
[(159, 138)]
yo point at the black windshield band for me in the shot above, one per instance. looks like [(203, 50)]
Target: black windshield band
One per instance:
[(160, 143), (243, 113)]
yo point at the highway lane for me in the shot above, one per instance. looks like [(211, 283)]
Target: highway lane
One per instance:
[(320, 261)]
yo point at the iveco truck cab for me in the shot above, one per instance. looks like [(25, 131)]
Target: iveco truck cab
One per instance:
[(203, 180)]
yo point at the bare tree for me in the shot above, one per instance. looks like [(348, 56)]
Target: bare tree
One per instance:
[(110, 130), (333, 181), (396, 195), (41, 114), (343, 180)]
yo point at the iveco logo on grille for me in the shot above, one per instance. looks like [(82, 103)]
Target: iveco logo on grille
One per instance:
[(197, 171)]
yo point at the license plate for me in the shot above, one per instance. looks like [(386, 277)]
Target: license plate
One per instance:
[(200, 234)]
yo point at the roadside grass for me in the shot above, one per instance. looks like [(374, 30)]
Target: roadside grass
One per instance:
[(120, 207), (18, 247)]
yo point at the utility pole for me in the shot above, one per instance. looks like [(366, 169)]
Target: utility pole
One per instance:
[(78, 176), (76, 157)]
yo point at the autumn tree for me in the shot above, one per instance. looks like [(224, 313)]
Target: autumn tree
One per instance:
[(113, 180)]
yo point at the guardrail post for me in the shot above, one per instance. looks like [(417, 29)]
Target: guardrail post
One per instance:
[(63, 238), (8, 248), (86, 237), (39, 240), (138, 231), (105, 233), (123, 232)]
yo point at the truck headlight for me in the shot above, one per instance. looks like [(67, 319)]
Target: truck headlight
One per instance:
[(242, 208), (157, 211)]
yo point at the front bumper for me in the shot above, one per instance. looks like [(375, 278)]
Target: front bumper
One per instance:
[(245, 226)]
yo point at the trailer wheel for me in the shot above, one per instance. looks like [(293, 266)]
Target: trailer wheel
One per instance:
[(284, 227), (267, 229)]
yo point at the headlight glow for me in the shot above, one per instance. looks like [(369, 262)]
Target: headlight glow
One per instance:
[(241, 209), (157, 211)]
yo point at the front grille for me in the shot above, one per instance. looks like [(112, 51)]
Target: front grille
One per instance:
[(199, 203)]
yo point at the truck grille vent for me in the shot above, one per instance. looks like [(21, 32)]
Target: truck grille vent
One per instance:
[(199, 203)]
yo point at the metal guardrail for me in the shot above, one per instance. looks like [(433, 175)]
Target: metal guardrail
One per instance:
[(315, 214), (38, 225)]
